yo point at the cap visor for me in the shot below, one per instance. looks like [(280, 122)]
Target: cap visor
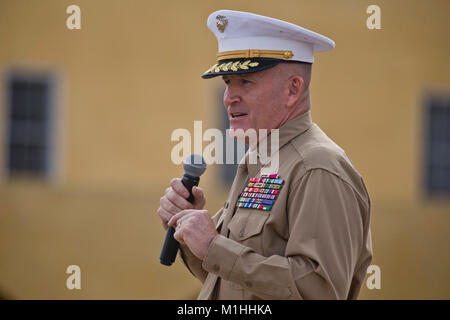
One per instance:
[(240, 66)]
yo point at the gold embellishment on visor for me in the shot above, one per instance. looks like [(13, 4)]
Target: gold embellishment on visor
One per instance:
[(233, 66), (255, 53)]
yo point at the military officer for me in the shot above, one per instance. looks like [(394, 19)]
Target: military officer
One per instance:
[(296, 231)]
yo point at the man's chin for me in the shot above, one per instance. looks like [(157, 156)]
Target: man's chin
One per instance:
[(237, 131)]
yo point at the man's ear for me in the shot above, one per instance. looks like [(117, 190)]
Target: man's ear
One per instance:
[(296, 86)]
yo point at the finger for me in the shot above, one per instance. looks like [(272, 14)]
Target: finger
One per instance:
[(164, 215), (178, 235), (184, 219), (173, 221), (167, 205), (199, 197), (191, 216), (178, 200), (179, 188), (198, 191)]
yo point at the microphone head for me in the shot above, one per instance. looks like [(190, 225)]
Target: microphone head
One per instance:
[(194, 165)]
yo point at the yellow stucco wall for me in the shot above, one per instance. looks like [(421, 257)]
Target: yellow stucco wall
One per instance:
[(131, 76)]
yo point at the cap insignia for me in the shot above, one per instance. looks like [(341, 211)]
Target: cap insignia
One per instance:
[(222, 22)]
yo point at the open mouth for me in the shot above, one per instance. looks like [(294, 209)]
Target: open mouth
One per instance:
[(237, 115)]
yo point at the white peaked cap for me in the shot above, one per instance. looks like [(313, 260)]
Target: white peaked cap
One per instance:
[(263, 41)]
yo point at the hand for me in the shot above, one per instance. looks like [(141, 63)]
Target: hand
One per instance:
[(196, 229), (174, 200)]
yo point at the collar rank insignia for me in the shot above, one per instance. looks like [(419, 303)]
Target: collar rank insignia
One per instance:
[(261, 193)]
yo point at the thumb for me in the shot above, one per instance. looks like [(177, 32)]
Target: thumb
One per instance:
[(199, 198)]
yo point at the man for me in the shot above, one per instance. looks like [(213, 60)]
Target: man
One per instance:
[(301, 232)]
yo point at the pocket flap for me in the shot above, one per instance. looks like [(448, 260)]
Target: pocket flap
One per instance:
[(247, 223)]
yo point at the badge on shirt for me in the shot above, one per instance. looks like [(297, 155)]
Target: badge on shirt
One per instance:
[(261, 193)]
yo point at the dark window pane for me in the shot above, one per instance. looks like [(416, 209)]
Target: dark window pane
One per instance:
[(438, 146), (26, 159), (28, 124)]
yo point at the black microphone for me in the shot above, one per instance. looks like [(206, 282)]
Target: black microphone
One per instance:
[(194, 166)]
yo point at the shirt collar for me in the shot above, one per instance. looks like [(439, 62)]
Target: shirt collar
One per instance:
[(294, 128)]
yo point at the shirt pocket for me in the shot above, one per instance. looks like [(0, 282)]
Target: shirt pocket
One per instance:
[(247, 226)]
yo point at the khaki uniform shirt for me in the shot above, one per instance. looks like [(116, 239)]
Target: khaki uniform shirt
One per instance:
[(314, 243)]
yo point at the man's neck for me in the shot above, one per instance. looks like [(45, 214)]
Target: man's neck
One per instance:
[(302, 107)]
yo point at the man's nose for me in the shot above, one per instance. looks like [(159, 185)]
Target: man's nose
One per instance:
[(230, 96)]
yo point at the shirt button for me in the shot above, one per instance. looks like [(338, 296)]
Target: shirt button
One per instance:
[(242, 233)]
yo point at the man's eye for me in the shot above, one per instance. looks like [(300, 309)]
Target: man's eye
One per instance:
[(245, 81)]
